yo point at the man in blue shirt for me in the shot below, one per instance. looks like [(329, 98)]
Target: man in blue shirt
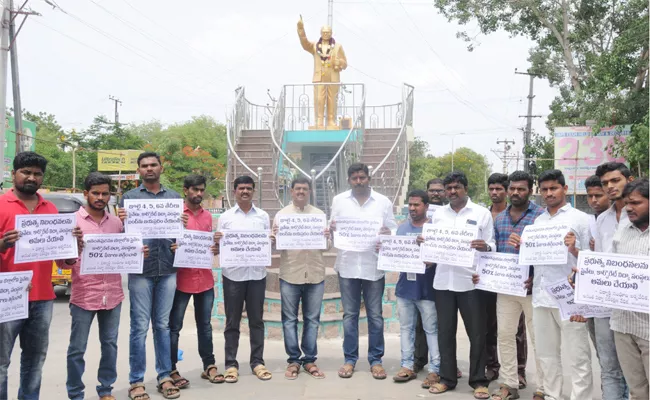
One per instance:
[(415, 294)]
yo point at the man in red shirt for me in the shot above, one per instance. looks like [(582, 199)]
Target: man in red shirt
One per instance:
[(27, 176), (197, 283)]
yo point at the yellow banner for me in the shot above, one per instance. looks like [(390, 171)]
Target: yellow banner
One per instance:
[(117, 160)]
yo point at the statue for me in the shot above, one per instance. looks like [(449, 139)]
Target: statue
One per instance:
[(329, 61)]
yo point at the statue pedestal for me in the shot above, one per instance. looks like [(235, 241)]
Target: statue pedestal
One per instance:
[(325, 128)]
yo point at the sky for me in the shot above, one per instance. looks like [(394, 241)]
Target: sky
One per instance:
[(169, 61)]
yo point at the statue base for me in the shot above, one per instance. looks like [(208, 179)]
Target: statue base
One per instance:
[(325, 128)]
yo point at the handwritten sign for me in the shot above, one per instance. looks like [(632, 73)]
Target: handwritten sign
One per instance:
[(356, 234), (448, 245), (301, 232), (432, 210), (400, 254), (154, 219), (194, 250), (45, 237), (544, 244), (14, 298), (245, 249), (613, 280), (500, 273), (112, 253), (562, 292)]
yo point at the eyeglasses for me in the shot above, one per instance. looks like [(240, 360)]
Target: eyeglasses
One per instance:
[(437, 190)]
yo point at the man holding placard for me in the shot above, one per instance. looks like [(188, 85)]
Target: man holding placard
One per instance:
[(23, 200), (300, 231), (152, 292), (358, 216), (454, 291), (244, 284), (194, 282), (550, 329)]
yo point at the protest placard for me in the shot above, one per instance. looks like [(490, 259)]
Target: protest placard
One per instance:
[(356, 234), (501, 273), (613, 280), (194, 250), (45, 237), (14, 298), (245, 249), (544, 244), (301, 232), (448, 245), (112, 253), (154, 219), (400, 254), (563, 294), (432, 210)]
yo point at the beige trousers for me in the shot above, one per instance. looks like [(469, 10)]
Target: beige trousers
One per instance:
[(551, 332), (509, 309), (633, 354)]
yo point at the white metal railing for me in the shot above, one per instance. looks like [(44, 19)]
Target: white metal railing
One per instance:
[(398, 153)]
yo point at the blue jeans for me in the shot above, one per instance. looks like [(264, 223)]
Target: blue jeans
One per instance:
[(612, 382), (109, 323), (373, 292), (151, 300), (312, 298), (408, 314), (203, 303), (33, 333)]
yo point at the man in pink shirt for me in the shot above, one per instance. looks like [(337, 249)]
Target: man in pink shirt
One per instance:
[(197, 283), (94, 295)]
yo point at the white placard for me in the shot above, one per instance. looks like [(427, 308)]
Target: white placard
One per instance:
[(448, 245), (613, 280), (400, 254), (245, 249), (154, 219), (500, 273), (194, 250), (356, 234), (432, 210), (301, 232), (562, 292), (544, 244), (112, 253), (45, 237), (14, 298)]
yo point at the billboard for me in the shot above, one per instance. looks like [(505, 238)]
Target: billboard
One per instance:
[(29, 132), (578, 152), (117, 160)]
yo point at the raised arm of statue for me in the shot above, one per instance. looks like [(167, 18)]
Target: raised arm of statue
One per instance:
[(304, 42)]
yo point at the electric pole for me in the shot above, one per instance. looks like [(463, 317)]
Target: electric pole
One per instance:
[(15, 80), (330, 13), (504, 153), (529, 116), (117, 114), (4, 55)]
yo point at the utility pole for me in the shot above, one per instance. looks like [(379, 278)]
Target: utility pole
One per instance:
[(529, 116), (15, 80), (117, 114), (330, 13), (4, 55), (506, 149)]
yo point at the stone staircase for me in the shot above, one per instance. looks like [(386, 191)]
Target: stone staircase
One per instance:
[(376, 144)]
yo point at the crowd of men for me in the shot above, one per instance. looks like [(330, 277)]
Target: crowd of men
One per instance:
[(428, 304)]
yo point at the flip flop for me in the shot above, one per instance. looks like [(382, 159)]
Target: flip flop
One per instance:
[(314, 371)]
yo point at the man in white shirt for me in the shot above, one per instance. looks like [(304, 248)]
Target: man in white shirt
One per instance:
[(358, 271), (454, 290), (244, 285), (549, 327)]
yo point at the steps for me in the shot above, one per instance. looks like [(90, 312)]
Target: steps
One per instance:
[(376, 144)]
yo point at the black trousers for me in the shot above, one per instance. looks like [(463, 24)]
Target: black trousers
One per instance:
[(235, 294), (472, 309), (421, 354)]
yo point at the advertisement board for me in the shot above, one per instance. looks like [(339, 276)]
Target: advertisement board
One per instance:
[(29, 132), (117, 160)]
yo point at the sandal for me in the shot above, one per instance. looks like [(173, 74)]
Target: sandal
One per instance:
[(139, 396), (505, 392), (217, 378), (346, 371), (232, 375), (378, 372), (292, 371), (262, 373), (522, 381), (169, 392), (314, 371), (108, 397), (430, 380), (459, 373), (438, 388), (481, 392), (179, 382), (538, 396), (404, 375)]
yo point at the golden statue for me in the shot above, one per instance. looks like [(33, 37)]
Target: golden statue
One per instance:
[(329, 61)]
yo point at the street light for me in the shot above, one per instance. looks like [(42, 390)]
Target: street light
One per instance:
[(453, 135)]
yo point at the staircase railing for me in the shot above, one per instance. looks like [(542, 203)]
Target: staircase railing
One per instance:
[(398, 153)]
